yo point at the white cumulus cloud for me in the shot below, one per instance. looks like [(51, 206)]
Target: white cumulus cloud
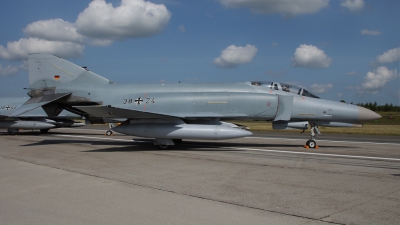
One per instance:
[(286, 8), (389, 56), (24, 65), (132, 19), (353, 5), (20, 49), (9, 70), (309, 56), (99, 24), (370, 32), (320, 88), (53, 30), (374, 81), (233, 56)]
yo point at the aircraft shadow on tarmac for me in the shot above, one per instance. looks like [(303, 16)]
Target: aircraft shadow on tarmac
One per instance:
[(138, 145), (147, 145)]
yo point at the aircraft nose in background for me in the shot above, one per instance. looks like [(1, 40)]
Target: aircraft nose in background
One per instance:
[(366, 114)]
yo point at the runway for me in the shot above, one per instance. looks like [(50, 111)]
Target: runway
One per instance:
[(80, 176)]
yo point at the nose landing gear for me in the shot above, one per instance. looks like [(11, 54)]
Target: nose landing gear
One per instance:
[(314, 132)]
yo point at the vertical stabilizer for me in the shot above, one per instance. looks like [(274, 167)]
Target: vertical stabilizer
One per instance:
[(47, 70)]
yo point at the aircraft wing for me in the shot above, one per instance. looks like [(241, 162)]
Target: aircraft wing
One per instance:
[(36, 102), (113, 112)]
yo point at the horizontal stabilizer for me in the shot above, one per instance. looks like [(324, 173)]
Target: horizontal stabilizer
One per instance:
[(36, 102)]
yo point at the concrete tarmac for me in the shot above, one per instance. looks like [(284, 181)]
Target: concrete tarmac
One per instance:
[(80, 176)]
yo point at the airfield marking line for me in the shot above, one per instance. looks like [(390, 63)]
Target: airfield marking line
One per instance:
[(354, 142), (303, 153), (250, 149)]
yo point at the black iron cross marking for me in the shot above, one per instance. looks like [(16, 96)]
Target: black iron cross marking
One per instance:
[(8, 107), (109, 113), (139, 101)]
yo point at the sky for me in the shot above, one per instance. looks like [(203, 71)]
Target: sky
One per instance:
[(338, 49)]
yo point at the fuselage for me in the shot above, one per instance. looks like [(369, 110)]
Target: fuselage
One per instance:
[(233, 100)]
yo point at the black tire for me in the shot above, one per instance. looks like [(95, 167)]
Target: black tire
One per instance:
[(44, 131), (164, 147), (311, 144), (109, 133), (12, 131)]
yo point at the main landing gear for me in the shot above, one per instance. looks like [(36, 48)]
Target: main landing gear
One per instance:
[(12, 131), (314, 132), (166, 144), (109, 132)]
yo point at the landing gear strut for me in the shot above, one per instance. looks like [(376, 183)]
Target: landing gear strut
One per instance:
[(314, 132)]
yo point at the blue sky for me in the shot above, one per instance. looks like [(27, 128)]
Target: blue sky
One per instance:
[(338, 49)]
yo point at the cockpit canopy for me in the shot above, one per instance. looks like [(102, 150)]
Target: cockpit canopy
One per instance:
[(285, 87)]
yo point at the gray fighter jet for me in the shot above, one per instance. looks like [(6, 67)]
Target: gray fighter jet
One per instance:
[(172, 112), (35, 119)]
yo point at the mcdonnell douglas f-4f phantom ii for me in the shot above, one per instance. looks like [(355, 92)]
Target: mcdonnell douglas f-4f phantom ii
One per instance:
[(35, 119), (172, 112)]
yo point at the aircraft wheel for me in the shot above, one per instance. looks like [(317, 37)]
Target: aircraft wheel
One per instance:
[(311, 144), (109, 133), (12, 131), (44, 131), (164, 147)]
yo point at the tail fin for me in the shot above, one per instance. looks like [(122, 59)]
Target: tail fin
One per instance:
[(47, 70)]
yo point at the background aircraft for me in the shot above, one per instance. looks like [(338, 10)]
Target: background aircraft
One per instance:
[(35, 119), (168, 112)]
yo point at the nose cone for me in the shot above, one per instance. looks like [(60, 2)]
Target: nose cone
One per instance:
[(366, 114)]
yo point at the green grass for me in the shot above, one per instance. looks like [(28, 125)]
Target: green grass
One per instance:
[(388, 118)]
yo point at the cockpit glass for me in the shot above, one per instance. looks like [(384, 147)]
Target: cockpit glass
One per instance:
[(262, 83), (256, 83), (309, 94), (285, 87), (290, 88)]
